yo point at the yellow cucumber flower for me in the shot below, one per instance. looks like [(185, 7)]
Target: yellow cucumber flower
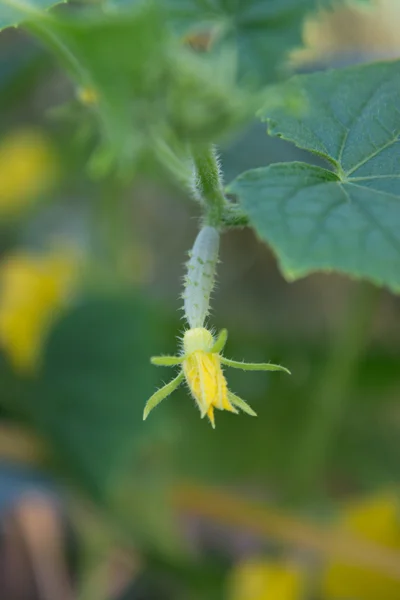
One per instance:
[(201, 359), (34, 289), (266, 579), (88, 96), (201, 365), (373, 519), (28, 167)]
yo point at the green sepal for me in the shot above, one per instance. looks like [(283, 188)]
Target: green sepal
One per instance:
[(166, 361), (220, 342), (162, 393), (236, 401), (237, 364)]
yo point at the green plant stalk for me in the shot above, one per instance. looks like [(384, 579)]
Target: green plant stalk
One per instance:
[(111, 236), (333, 389), (209, 185), (234, 216), (175, 165)]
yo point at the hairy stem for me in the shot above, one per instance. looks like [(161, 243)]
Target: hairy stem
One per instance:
[(234, 216), (209, 185)]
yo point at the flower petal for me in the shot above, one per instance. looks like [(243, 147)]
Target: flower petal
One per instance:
[(210, 415)]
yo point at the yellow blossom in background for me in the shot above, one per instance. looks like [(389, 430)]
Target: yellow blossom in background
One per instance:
[(267, 580), (375, 520), (88, 96), (33, 289), (28, 166)]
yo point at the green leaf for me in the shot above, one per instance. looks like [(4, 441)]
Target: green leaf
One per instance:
[(261, 32), (13, 12), (146, 86), (347, 220), (91, 390)]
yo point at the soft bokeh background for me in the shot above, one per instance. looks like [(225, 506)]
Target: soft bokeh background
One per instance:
[(299, 504)]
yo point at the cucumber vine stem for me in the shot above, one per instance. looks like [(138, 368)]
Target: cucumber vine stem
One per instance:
[(209, 186)]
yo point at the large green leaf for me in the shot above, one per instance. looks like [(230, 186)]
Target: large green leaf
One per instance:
[(92, 387), (13, 12), (262, 32), (347, 220)]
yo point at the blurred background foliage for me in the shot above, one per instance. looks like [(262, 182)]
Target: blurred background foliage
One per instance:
[(301, 503)]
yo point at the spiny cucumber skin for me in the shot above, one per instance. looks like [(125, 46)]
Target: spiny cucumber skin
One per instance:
[(200, 278)]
